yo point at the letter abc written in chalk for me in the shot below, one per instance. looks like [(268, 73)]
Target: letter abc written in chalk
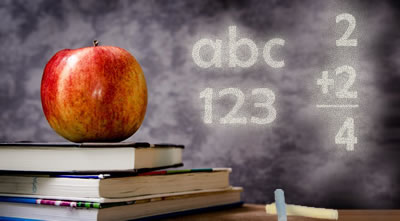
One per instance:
[(233, 45)]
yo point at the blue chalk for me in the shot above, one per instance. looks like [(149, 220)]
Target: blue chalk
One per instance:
[(280, 205)]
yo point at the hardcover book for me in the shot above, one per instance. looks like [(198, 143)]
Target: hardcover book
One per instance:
[(88, 157), (123, 209), (115, 186)]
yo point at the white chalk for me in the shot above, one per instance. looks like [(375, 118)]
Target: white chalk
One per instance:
[(312, 212)]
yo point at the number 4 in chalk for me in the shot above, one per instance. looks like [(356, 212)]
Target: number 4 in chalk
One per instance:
[(348, 128)]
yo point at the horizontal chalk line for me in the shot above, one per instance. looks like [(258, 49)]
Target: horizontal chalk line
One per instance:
[(337, 105)]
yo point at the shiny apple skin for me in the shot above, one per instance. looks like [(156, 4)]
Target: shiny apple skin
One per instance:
[(94, 94)]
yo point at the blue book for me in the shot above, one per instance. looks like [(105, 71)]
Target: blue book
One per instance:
[(5, 218), (143, 208), (156, 217)]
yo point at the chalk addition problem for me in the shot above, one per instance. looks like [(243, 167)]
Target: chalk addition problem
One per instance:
[(327, 84)]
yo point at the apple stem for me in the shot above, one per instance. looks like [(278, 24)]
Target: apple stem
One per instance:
[(95, 43)]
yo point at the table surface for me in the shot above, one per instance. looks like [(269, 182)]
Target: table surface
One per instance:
[(254, 212)]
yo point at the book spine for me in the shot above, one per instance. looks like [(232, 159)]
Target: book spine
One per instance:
[(163, 172), (190, 170), (68, 203), (6, 218), (17, 200), (51, 202), (100, 176)]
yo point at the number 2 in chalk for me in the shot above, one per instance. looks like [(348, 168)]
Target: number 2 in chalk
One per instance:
[(348, 128)]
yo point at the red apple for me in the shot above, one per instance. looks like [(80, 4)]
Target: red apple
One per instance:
[(94, 94)]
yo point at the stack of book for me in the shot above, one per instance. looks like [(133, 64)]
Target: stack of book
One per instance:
[(106, 181)]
